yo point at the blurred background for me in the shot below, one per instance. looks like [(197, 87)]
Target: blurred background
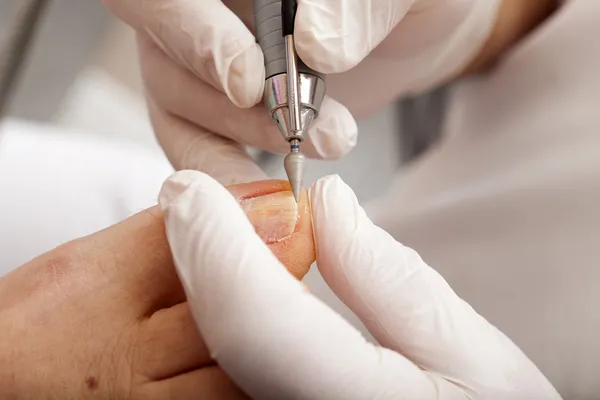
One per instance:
[(81, 72), (82, 75)]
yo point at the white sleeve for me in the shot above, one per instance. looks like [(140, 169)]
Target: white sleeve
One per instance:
[(57, 186), (506, 205)]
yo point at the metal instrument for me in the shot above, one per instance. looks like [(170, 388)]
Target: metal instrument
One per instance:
[(293, 92)]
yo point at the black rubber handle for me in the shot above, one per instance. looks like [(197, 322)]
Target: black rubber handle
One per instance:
[(288, 16), (273, 20)]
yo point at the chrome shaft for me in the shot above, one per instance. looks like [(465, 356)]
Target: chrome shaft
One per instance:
[(293, 83)]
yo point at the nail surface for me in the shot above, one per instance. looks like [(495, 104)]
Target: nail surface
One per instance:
[(284, 225), (274, 216)]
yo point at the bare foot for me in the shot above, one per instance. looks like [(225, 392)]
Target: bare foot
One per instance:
[(105, 316)]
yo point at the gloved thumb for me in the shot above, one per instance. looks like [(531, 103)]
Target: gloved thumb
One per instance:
[(210, 235), (408, 307)]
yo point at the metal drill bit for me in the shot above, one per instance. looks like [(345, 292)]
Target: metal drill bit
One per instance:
[(294, 168), (294, 161)]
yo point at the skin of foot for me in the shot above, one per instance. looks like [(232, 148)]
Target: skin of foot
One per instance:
[(105, 316)]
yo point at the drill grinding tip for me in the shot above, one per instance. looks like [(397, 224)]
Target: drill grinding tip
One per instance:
[(294, 168)]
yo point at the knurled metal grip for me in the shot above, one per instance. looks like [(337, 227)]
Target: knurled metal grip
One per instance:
[(269, 35)]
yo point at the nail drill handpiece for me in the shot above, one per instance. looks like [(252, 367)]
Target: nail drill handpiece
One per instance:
[(293, 92)]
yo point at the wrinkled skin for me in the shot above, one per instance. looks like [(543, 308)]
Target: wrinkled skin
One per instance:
[(105, 316)]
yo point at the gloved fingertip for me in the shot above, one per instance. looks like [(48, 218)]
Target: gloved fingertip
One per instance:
[(335, 132), (178, 184), (331, 197), (325, 56), (245, 79), (322, 43), (332, 186)]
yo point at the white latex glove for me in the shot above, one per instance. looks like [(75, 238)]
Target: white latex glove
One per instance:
[(204, 73), (277, 341)]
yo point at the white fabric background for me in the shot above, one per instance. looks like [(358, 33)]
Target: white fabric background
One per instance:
[(507, 207)]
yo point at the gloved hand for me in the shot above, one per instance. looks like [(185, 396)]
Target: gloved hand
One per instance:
[(204, 73), (278, 341)]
